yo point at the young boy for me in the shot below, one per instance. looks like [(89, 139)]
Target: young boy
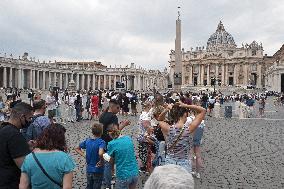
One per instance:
[(94, 157), (121, 151)]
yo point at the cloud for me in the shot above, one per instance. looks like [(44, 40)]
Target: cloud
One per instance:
[(120, 32)]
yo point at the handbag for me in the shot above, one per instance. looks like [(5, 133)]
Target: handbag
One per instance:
[(44, 172)]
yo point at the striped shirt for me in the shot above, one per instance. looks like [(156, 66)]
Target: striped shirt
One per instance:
[(182, 148)]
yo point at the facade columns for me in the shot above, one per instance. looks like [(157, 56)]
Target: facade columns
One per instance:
[(208, 75), (236, 71), (190, 75), (88, 82), (245, 75), (99, 83), (258, 82), (43, 79), (139, 82), (202, 75), (66, 81), (223, 75)]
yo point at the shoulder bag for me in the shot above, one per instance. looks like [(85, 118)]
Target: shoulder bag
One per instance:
[(44, 172)]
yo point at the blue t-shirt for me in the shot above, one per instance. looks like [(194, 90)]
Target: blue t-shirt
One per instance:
[(56, 164), (122, 150), (92, 147)]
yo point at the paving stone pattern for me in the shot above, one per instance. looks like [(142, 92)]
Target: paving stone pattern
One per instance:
[(246, 153)]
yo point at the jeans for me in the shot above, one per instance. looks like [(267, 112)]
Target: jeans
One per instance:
[(185, 163), (94, 180), (127, 183), (107, 174)]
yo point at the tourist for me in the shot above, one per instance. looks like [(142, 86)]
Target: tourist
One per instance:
[(197, 136), (121, 150), (31, 96), (71, 114), (250, 103), (2, 109), (125, 104), (133, 104), (78, 107), (261, 106), (148, 145), (13, 146), (39, 121), (107, 118), (88, 106), (177, 134), (48, 166), (169, 177), (95, 106), (51, 104), (211, 103), (94, 157)]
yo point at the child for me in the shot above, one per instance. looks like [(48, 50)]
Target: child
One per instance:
[(121, 150), (94, 157), (147, 147)]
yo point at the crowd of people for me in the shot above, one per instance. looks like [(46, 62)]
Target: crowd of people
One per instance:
[(34, 153)]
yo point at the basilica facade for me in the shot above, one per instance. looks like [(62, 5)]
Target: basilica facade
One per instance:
[(26, 73), (220, 63)]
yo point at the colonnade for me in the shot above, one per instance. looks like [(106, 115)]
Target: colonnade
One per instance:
[(44, 79)]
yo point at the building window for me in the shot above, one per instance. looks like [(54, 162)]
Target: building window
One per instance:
[(253, 52)]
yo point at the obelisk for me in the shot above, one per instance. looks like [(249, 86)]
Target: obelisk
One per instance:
[(178, 56)]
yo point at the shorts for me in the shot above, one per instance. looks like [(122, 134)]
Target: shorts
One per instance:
[(122, 184), (198, 133), (185, 163)]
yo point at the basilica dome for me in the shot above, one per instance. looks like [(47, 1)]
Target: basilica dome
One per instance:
[(220, 40)]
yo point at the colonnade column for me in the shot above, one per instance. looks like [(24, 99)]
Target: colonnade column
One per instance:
[(20, 78), (31, 79), (104, 86), (11, 78), (66, 80), (43, 79), (139, 82), (34, 78), (77, 81), (109, 82), (38, 82), (83, 81), (94, 81), (114, 82), (4, 77), (49, 79), (60, 80), (88, 82)]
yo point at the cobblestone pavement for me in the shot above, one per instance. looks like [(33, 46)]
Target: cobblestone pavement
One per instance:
[(246, 153)]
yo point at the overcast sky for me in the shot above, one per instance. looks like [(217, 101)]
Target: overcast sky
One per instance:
[(124, 31)]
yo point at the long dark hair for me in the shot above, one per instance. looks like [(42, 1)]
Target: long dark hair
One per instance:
[(52, 138)]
